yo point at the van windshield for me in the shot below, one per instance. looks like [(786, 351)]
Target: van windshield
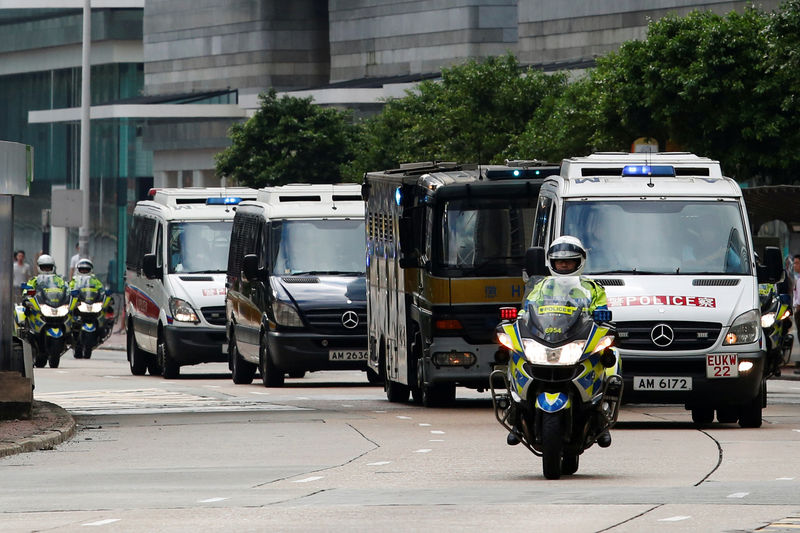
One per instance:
[(659, 237), (485, 237), (332, 246), (198, 246)]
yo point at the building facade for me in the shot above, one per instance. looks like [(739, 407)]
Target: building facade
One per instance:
[(169, 77)]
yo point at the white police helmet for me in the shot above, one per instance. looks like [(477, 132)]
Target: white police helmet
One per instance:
[(566, 247), (46, 263), (84, 266)]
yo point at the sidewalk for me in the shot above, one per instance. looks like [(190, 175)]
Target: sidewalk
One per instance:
[(49, 425)]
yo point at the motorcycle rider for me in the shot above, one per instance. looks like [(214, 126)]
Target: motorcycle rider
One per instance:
[(47, 267), (85, 267), (566, 259)]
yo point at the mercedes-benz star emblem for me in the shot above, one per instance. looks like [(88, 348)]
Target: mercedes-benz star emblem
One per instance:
[(662, 335), (350, 319)]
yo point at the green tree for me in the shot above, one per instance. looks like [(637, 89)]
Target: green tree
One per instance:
[(473, 114), (696, 81), (288, 140)]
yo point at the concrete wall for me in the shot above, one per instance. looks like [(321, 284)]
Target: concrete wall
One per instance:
[(204, 45), (379, 38), (573, 31)]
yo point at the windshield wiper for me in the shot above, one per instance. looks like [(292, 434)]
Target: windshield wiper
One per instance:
[(491, 261), (328, 272)]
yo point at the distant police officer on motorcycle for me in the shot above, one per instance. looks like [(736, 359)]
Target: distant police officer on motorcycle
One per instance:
[(85, 268), (47, 267)]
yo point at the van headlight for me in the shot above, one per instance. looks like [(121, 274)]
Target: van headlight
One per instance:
[(286, 314), (745, 329), (569, 354), (182, 311)]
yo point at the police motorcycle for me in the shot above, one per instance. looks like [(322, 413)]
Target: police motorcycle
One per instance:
[(561, 387), (92, 311), (776, 310), (44, 315)]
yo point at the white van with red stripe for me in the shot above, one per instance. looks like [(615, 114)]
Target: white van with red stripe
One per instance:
[(668, 237), (175, 278)]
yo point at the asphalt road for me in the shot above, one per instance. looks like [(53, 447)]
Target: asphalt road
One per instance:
[(329, 453)]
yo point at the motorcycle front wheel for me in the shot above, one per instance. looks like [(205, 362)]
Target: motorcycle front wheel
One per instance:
[(552, 445)]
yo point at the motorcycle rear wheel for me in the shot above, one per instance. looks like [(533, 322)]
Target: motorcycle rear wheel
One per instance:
[(552, 446)]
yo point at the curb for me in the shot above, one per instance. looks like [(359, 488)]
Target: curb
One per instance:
[(61, 429)]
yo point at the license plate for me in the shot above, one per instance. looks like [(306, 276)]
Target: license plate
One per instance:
[(722, 365), (661, 383), (347, 355)]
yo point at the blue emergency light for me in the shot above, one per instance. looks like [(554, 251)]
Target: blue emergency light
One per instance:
[(398, 196), (649, 170), (223, 200)]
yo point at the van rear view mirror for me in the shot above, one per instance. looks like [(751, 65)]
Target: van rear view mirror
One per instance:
[(534, 262), (772, 269), (250, 267), (150, 267)]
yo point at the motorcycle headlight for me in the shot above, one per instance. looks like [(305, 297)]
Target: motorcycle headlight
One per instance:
[(286, 314), (96, 307), (569, 354), (182, 311), (745, 329), (767, 320), (505, 339), (59, 311)]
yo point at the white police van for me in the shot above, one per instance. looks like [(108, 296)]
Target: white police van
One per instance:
[(668, 237), (175, 277)]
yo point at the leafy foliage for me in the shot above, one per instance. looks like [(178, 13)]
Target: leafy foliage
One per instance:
[(288, 140), (473, 114)]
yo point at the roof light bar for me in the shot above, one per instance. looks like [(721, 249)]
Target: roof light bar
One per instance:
[(223, 200), (649, 170)]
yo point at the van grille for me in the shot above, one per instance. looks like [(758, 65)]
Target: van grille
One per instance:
[(214, 315), (722, 282), (330, 321), (687, 335)]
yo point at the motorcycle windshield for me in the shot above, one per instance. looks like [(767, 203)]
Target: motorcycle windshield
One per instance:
[(86, 292), (51, 291), (557, 311)]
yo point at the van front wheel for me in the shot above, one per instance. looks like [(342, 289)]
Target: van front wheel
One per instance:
[(271, 376), (242, 371)]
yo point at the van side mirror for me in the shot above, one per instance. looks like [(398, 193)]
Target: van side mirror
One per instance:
[(772, 269), (150, 268), (535, 263), (250, 267)]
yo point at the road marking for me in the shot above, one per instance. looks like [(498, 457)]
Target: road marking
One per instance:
[(306, 480), (302, 398), (212, 386), (437, 432), (378, 411), (738, 495), (436, 440), (423, 450), (674, 518), (796, 430), (61, 372), (346, 405), (784, 478), (259, 393), (212, 500), (425, 425), (401, 417), (103, 522), (379, 463), (111, 377)]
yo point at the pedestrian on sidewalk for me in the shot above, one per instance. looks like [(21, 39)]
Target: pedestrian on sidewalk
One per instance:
[(23, 271)]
